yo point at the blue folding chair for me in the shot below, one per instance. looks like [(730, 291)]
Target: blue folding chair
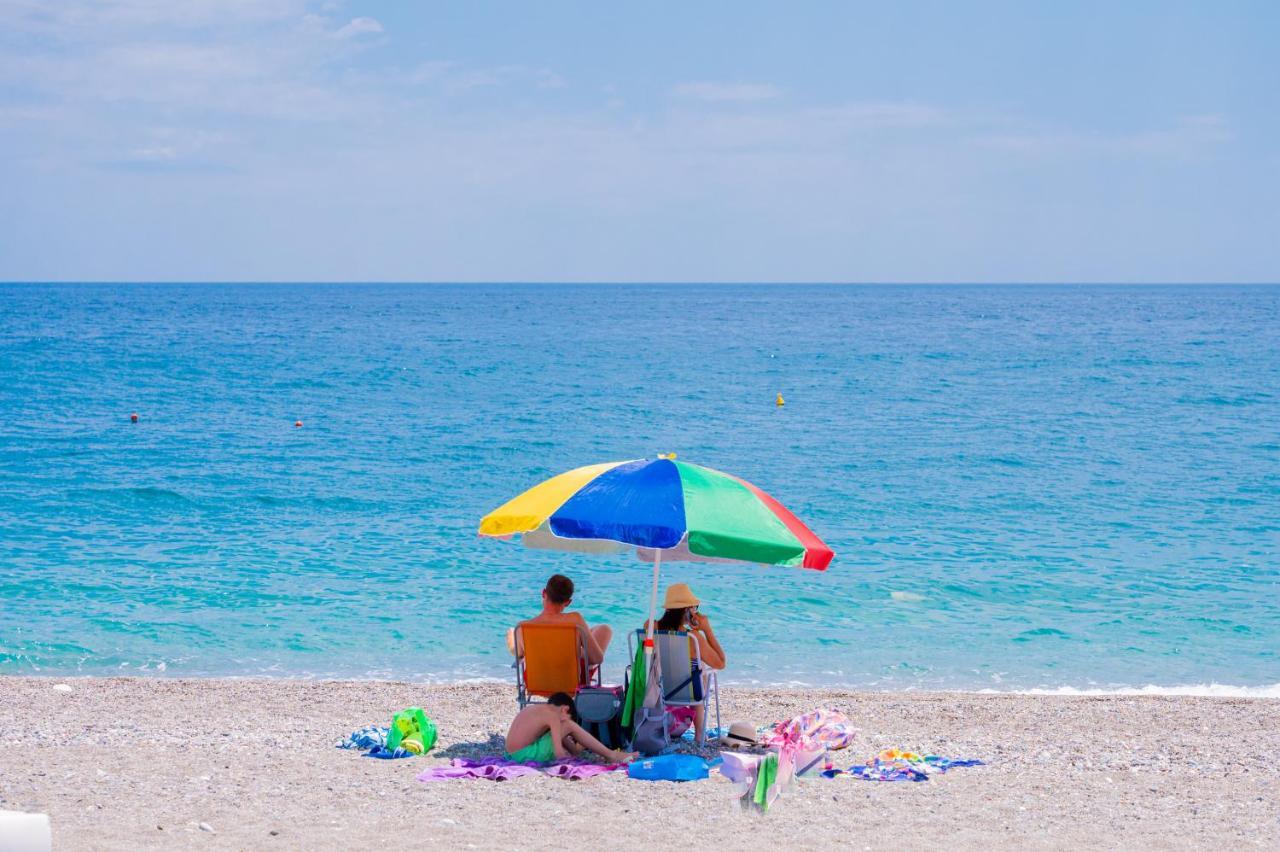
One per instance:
[(682, 678)]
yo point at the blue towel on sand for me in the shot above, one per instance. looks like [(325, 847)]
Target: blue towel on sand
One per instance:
[(373, 739)]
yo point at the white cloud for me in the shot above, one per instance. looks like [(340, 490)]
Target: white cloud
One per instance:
[(85, 18), (733, 92), (358, 27), (453, 78), (872, 114), (1187, 137), (162, 153), (266, 96), (207, 60)]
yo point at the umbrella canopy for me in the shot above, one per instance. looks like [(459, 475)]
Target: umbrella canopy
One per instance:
[(663, 508)]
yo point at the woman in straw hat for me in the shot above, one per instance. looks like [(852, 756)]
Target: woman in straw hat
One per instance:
[(682, 614)]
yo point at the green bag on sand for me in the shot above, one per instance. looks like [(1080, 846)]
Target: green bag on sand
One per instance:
[(412, 730)]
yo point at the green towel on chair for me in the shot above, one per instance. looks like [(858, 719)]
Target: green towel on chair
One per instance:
[(634, 699)]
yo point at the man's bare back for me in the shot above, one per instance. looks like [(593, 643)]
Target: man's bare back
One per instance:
[(556, 597)]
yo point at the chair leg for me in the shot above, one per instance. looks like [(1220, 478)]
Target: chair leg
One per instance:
[(521, 698), (715, 688)]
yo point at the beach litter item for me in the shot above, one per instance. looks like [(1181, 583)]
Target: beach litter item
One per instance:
[(23, 832), (894, 764), (659, 508), (412, 730), (669, 767), (502, 769)]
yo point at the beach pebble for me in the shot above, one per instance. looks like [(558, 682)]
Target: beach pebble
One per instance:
[(204, 826), (62, 687)]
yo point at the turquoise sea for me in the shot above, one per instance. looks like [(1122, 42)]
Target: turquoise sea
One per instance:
[(1026, 487)]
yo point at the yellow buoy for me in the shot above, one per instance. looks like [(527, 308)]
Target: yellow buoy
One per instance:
[(666, 455), (781, 401)]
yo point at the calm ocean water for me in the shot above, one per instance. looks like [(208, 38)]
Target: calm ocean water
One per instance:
[(1025, 487)]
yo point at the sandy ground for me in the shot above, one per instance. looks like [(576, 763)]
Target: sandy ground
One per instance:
[(123, 763)]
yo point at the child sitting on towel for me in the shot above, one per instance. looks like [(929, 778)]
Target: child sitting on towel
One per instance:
[(547, 732)]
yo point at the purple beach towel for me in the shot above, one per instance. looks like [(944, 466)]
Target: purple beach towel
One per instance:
[(501, 769)]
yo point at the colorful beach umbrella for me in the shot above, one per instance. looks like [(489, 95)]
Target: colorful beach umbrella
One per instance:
[(664, 509)]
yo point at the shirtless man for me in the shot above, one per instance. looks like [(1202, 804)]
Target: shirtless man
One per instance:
[(545, 732), (556, 596)]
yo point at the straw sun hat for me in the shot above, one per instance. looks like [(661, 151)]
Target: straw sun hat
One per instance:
[(740, 735), (679, 596)]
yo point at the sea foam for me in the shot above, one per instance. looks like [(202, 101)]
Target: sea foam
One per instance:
[(1207, 690)]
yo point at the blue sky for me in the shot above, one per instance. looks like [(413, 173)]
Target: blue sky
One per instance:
[(553, 141)]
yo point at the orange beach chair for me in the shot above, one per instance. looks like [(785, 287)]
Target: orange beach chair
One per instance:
[(550, 658)]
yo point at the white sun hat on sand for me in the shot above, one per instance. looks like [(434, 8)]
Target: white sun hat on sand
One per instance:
[(740, 734)]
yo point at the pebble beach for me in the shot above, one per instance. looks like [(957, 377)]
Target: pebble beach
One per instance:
[(159, 763), (908, 371)]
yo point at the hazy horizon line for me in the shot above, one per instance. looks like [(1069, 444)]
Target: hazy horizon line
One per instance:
[(622, 283)]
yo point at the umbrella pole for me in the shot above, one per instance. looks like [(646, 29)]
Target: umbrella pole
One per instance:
[(653, 602)]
